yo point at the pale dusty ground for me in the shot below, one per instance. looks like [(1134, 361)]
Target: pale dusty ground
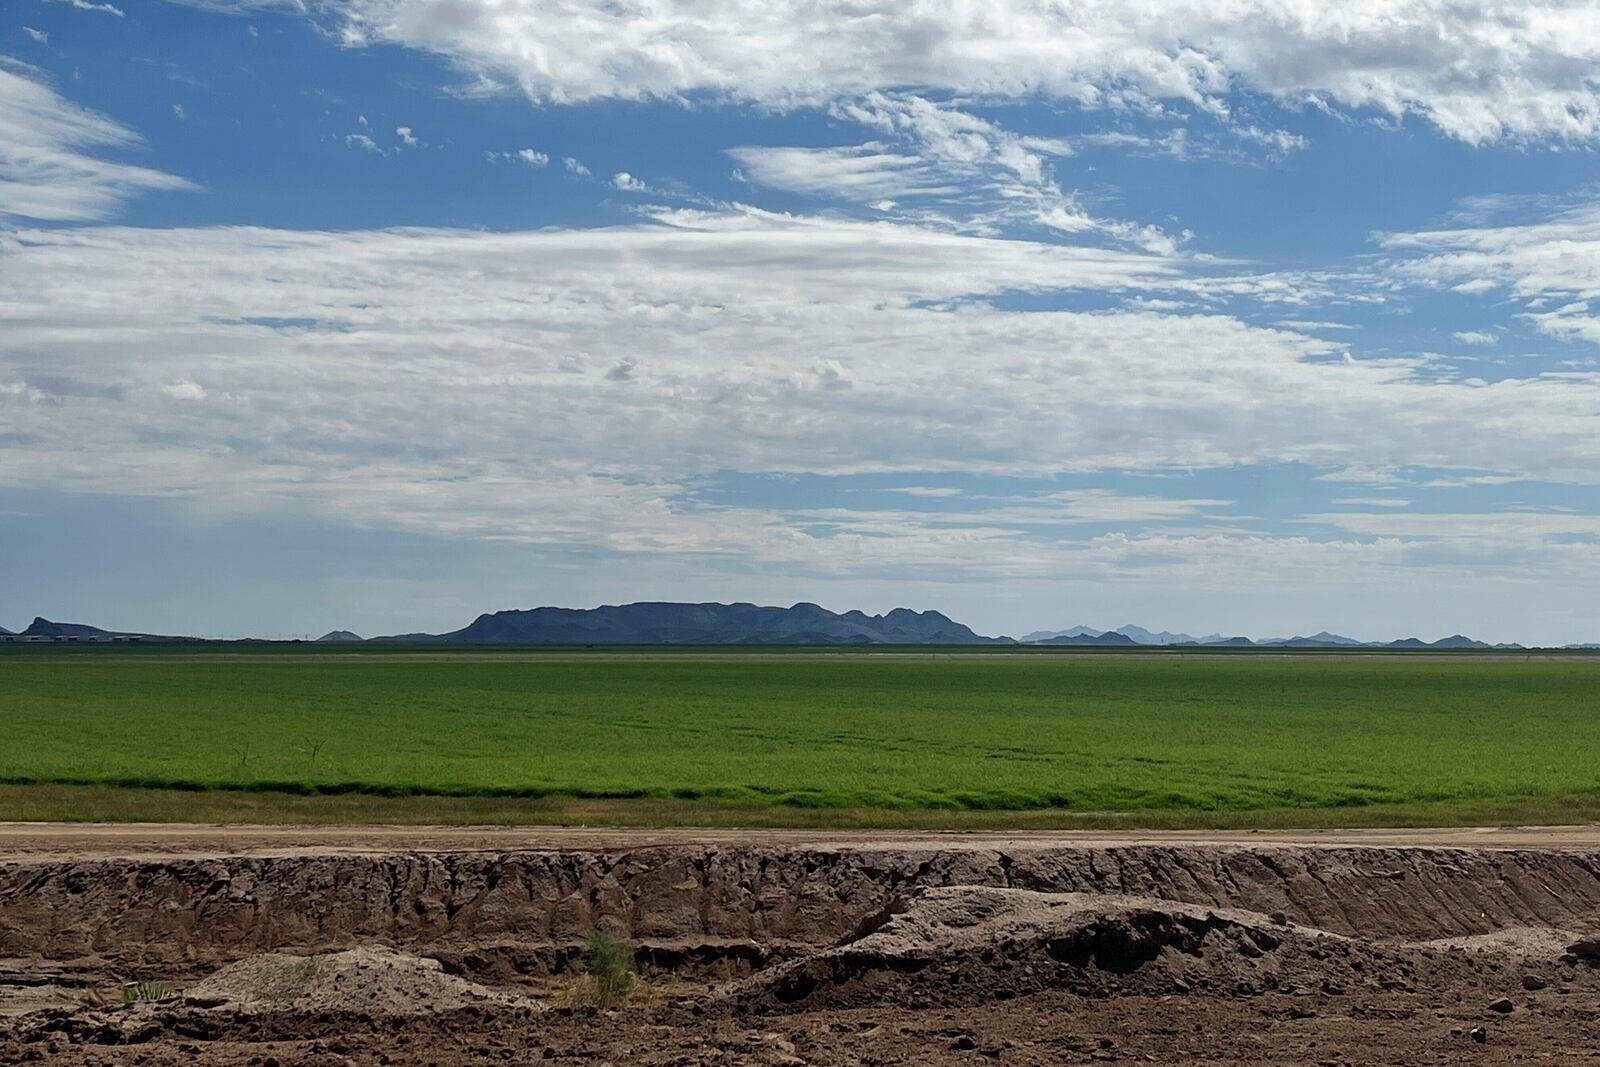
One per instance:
[(85, 840)]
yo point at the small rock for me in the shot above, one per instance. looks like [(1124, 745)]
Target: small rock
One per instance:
[(1502, 1005), (1279, 918), (964, 1043), (1587, 949), (1479, 1034), (1531, 982)]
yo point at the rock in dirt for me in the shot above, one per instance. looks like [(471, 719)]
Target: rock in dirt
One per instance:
[(1533, 982), (1503, 1005)]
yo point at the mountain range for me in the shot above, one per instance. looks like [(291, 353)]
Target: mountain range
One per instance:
[(1137, 635), (654, 623)]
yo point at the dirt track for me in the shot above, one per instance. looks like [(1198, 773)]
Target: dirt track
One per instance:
[(409, 944), (103, 840)]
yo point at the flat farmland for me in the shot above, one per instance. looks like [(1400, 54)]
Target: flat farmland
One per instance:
[(802, 739)]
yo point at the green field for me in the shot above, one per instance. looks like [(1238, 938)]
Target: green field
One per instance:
[(806, 738)]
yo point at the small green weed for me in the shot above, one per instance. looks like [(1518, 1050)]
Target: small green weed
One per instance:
[(143, 992), (611, 968)]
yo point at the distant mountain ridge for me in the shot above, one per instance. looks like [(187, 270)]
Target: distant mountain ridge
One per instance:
[(42, 629), (664, 623), (1138, 635), (669, 623)]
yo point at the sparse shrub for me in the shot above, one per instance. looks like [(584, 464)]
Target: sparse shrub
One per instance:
[(610, 967), (140, 992)]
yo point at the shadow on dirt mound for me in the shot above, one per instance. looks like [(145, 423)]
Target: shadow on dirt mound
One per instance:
[(961, 945)]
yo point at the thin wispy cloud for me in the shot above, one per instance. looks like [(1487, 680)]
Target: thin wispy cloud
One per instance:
[(52, 155), (90, 5)]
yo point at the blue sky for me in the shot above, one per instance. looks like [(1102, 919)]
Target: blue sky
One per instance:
[(376, 314)]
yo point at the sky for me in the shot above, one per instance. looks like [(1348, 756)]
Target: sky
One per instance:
[(1258, 317)]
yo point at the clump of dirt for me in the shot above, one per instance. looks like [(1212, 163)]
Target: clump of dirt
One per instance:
[(963, 945), (369, 981)]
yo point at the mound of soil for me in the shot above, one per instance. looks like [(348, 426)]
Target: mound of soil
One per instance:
[(370, 981), (938, 951), (963, 945)]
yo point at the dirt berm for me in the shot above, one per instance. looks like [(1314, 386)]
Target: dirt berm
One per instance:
[(816, 953)]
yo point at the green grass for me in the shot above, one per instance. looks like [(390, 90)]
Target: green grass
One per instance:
[(844, 740)]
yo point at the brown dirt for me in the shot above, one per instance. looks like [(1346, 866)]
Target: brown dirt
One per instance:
[(370, 946)]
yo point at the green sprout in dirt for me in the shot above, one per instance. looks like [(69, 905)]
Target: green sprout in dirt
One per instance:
[(142, 992), (611, 968)]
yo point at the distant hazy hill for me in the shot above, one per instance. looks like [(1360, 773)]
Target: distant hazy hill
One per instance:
[(1108, 638), (1324, 639), (1138, 635), (1046, 635), (45, 628), (41, 627), (336, 636), (1161, 637), (1458, 641), (709, 624)]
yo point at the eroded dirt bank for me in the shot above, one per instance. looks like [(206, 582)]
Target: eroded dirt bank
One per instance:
[(878, 949)]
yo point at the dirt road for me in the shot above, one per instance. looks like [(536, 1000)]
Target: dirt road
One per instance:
[(105, 840)]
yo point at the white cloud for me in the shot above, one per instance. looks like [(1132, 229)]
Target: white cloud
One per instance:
[(1373, 501), (177, 109), (529, 156), (730, 341), (1278, 142), (628, 183), (1475, 337), (953, 166), (1476, 69), (1080, 507), (45, 171), (574, 167), (1228, 143), (931, 491), (857, 172), (1314, 325), (86, 5), (1551, 261), (184, 390), (37, 35), (406, 137), (363, 142)]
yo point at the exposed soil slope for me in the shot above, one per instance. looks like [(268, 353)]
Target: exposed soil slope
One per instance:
[(872, 950)]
